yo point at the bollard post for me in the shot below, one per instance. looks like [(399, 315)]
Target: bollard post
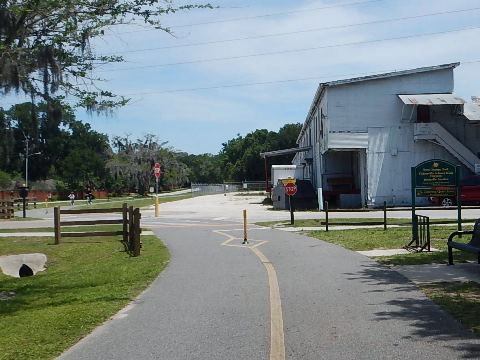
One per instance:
[(384, 215), (326, 215), (292, 209), (157, 210), (245, 239)]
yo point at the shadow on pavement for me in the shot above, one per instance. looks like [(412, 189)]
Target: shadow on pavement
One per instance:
[(426, 319)]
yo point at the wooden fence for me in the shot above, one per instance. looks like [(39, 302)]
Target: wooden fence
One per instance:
[(6, 210), (130, 221)]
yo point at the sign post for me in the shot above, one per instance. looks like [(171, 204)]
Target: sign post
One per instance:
[(290, 190), (157, 173)]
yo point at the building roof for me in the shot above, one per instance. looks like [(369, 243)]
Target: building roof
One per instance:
[(472, 111), (431, 99), (263, 155), (322, 86)]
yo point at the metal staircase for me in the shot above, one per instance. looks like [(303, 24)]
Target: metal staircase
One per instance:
[(436, 133)]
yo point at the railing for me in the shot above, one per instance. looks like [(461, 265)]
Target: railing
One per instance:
[(6, 210), (421, 234), (436, 132), (130, 231)]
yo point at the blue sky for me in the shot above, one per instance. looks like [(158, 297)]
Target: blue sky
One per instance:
[(199, 121)]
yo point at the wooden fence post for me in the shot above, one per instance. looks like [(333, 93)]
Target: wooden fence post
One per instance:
[(136, 236), (131, 228), (125, 223), (56, 223)]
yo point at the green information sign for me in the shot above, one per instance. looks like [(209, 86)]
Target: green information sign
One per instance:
[(435, 178), (435, 173), (446, 191)]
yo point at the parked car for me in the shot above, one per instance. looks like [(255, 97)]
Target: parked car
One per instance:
[(470, 193)]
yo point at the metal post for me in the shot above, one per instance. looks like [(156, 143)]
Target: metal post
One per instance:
[(26, 162), (326, 215), (24, 200), (428, 233), (245, 239), (414, 218), (266, 173), (292, 209), (157, 209), (384, 215), (459, 200)]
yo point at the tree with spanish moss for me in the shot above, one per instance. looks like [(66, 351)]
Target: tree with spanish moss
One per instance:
[(45, 45)]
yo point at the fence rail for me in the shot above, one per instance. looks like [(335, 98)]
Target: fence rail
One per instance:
[(227, 187), (130, 219), (7, 210)]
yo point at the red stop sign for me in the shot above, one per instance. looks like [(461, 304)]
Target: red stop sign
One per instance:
[(290, 189), (156, 170)]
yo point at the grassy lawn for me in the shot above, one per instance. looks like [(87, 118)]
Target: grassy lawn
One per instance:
[(462, 300), (112, 202), (394, 238), (20, 218), (136, 202), (355, 221), (51, 311), (66, 229)]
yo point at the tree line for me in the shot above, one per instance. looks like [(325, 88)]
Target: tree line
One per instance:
[(69, 153)]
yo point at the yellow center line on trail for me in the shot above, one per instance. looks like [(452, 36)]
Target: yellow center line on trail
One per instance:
[(277, 336)]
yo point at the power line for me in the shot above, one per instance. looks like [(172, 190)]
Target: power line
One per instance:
[(273, 82), (333, 27), (293, 50), (265, 15)]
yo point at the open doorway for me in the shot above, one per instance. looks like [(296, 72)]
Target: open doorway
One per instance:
[(344, 178)]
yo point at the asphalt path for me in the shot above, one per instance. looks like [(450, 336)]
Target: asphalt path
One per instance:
[(281, 296)]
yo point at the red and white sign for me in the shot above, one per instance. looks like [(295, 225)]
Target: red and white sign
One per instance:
[(290, 189), (156, 170)]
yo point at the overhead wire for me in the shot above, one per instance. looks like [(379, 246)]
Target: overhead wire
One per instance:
[(290, 51), (273, 82), (332, 27), (327, 7)]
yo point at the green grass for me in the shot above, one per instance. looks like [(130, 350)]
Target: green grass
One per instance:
[(20, 218), (87, 281), (394, 238), (111, 202), (354, 221), (136, 202), (462, 300), (66, 228)]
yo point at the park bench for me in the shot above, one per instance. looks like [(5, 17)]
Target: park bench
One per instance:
[(472, 246)]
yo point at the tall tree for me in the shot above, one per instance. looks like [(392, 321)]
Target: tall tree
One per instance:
[(132, 164), (69, 150), (241, 155), (45, 44)]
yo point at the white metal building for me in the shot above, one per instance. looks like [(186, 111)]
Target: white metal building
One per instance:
[(366, 133)]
